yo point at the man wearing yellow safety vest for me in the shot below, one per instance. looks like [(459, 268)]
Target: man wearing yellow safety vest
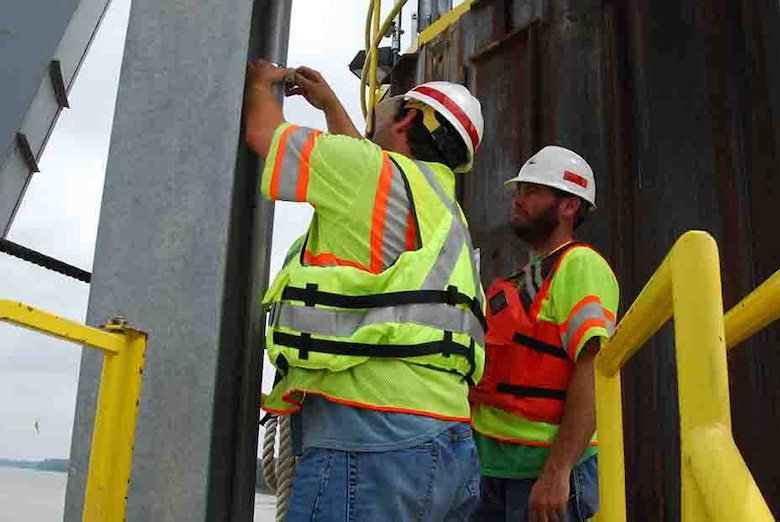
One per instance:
[(534, 409), (376, 322)]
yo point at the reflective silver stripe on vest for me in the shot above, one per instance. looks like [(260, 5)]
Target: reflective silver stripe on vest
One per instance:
[(586, 313), (396, 219), (291, 163), (458, 235), (292, 253), (442, 269), (345, 323)]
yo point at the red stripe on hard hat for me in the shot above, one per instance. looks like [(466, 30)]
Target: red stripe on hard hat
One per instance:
[(456, 111), (575, 178)]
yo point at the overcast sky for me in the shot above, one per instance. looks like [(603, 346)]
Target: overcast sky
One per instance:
[(59, 215)]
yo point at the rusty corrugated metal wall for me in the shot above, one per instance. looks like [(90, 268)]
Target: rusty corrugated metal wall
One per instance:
[(676, 105)]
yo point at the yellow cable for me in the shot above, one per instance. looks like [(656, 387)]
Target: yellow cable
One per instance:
[(382, 30), (372, 71), (369, 16)]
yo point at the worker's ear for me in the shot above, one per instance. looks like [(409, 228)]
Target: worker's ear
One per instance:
[(569, 207), (402, 126)]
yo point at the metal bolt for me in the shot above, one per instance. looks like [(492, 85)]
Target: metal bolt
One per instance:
[(117, 320)]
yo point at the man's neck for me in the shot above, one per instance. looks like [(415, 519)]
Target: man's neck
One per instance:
[(552, 243)]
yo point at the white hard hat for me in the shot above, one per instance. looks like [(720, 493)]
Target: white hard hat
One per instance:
[(560, 168), (453, 101)]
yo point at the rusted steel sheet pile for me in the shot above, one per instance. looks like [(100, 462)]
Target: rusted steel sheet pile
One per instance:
[(676, 105)]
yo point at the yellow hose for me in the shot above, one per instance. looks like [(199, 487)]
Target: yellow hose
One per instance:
[(369, 17), (373, 15), (372, 72)]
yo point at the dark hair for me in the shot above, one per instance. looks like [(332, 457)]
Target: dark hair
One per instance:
[(579, 218), (445, 146)]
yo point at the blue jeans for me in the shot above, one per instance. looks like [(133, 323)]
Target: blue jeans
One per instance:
[(507, 499), (434, 481)]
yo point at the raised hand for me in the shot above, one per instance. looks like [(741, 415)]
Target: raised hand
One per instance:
[(311, 85)]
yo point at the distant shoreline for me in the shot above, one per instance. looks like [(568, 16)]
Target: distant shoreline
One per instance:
[(60, 465)]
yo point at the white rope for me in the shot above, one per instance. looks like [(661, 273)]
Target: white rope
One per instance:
[(278, 471), (269, 462), (285, 467)]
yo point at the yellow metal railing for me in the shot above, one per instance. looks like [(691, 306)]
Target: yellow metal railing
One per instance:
[(115, 417), (375, 32), (716, 483), (755, 312)]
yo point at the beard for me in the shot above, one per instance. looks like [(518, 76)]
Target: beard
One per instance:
[(537, 229)]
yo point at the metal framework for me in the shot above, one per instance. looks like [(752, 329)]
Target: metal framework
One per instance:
[(39, 59)]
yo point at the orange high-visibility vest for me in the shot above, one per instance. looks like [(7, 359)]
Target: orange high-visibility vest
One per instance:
[(528, 369)]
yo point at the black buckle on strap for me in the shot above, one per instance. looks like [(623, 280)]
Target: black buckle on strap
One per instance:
[(446, 344), (310, 296), (452, 295), (472, 364), (305, 346)]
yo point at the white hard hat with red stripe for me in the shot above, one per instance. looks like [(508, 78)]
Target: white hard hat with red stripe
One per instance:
[(458, 107), (560, 168), (453, 101)]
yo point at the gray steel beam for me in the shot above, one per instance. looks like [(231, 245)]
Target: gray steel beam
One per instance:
[(269, 39), (42, 47), (178, 254)]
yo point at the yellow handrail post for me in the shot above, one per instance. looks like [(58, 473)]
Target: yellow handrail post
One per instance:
[(646, 316), (114, 432), (124, 350), (702, 374), (609, 425), (716, 483)]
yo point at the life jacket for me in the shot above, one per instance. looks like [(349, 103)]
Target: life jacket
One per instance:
[(528, 369), (409, 338)]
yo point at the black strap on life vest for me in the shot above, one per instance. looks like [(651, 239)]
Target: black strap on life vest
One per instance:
[(311, 296), (304, 343), (531, 391), (541, 346)]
